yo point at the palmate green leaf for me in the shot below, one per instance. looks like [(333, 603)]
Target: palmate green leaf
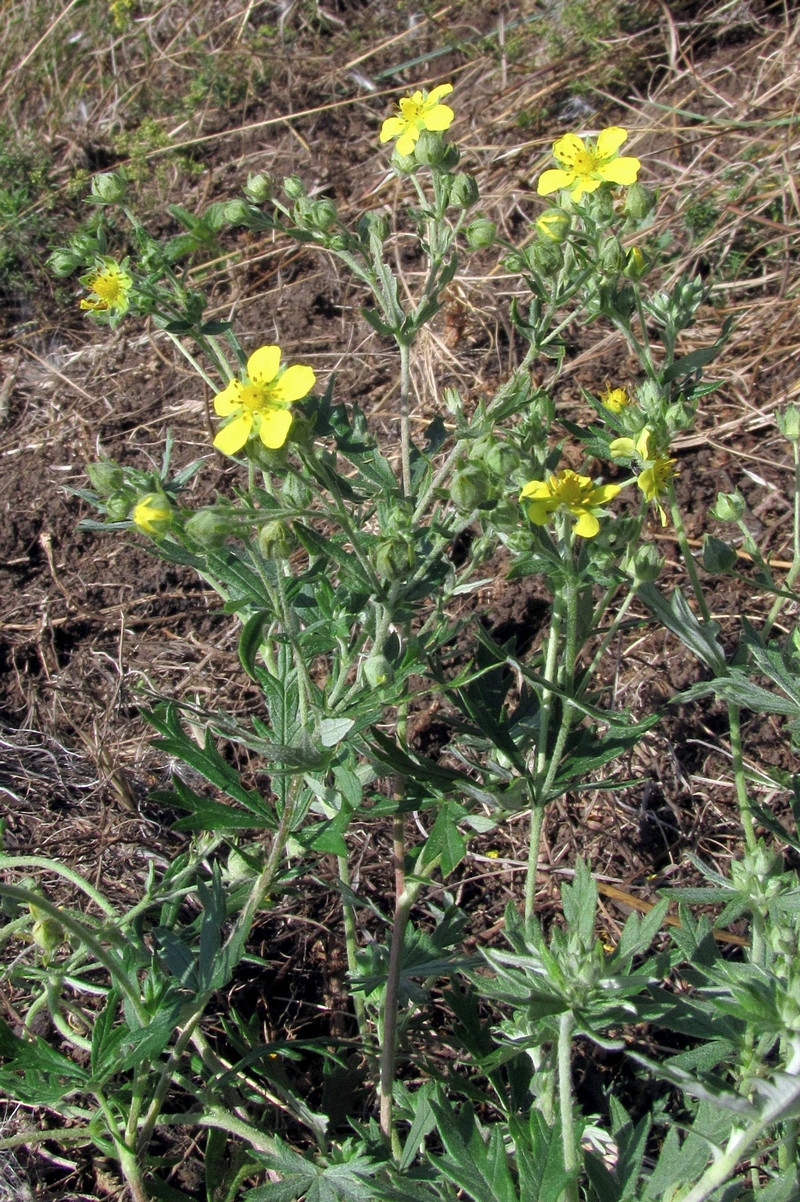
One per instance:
[(303, 1178), (540, 1162), (683, 1160), (36, 1057), (445, 840), (478, 1169), (251, 640), (701, 638)]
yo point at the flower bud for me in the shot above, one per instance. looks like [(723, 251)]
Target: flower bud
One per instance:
[(236, 212), (718, 558), (378, 671), (469, 489), (639, 201), (431, 150), (480, 233), (404, 164), (294, 187), (373, 225), (153, 514), (118, 507), (105, 476), (636, 266), (394, 558), (611, 258), (647, 564), (108, 188), (275, 541), (315, 214), (553, 224), (259, 188), (729, 507), (464, 192), (545, 257), (789, 423), (64, 262), (208, 527)]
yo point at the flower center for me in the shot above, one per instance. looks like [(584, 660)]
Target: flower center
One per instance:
[(570, 488), (108, 287), (254, 397), (410, 110)]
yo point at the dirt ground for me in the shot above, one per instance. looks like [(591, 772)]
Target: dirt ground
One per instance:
[(93, 626)]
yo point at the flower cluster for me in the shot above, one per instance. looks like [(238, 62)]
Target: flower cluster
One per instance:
[(657, 469), (567, 490)]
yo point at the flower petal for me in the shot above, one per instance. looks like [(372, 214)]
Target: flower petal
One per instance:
[(584, 183), (538, 489), (643, 444), (231, 438), (443, 89), (609, 141), (438, 118), (392, 128), (275, 425), (405, 143), (603, 493), (566, 148), (587, 524), (263, 364), (295, 383), (620, 171), (229, 399), (552, 180), (539, 513), (622, 448)]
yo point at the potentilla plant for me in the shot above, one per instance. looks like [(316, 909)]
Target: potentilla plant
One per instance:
[(332, 551)]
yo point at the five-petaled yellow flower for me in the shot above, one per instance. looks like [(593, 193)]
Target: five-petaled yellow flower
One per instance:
[(567, 490), (109, 284), (657, 471), (422, 110), (587, 165), (615, 399), (261, 402)]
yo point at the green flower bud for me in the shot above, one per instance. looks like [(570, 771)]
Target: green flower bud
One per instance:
[(317, 214), (647, 564), (276, 541), (431, 150), (729, 507), (236, 212), (718, 558), (118, 507), (499, 458), (373, 225), (639, 201), (469, 489), (553, 224), (679, 416), (209, 528), (789, 423), (294, 187), (378, 671), (480, 233), (259, 188), (611, 258), (394, 558), (106, 476), (636, 266), (545, 257), (295, 492), (404, 164), (108, 188), (46, 932), (269, 459), (464, 192), (153, 514), (64, 262)]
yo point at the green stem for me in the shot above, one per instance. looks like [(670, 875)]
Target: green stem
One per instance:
[(405, 431), (62, 870), (566, 1026), (402, 910), (745, 812), (351, 945), (686, 552)]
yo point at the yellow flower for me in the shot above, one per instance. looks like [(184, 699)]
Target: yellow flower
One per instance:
[(261, 402), (414, 113), (615, 399), (110, 285), (570, 491), (657, 471), (153, 514), (587, 165)]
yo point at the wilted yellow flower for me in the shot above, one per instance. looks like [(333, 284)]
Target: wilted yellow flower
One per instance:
[(110, 285), (568, 490), (587, 165), (615, 399), (657, 470), (261, 402), (153, 514), (419, 111)]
